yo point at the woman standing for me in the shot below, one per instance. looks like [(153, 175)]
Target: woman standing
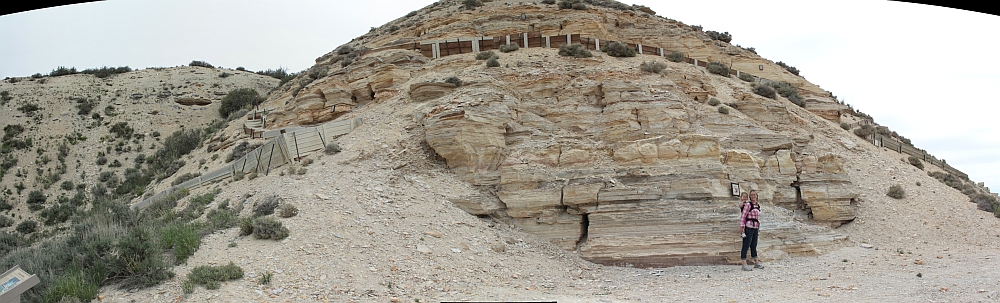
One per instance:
[(749, 229)]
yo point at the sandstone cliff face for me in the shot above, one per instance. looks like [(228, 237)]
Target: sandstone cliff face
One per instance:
[(625, 166)]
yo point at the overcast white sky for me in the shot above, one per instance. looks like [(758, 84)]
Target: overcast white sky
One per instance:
[(926, 72)]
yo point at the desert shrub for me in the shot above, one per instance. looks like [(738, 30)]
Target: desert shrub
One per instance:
[(224, 75), (471, 4), (618, 49), (122, 130), (274, 73), (549, 2), (211, 277), (916, 162), (246, 226), (896, 192), (238, 176), (724, 37), (789, 68), (105, 176), (269, 228), (57, 213), (221, 218), (713, 101), (985, 202), (864, 131), (29, 109), (27, 227), (746, 77), (66, 185), (6, 221), (575, 50), (675, 56), (723, 110), (12, 130), (241, 150), (4, 205), (486, 55), (845, 126), (200, 64), (266, 207), (789, 91), (492, 62), (238, 99), (105, 71), (572, 4), (182, 238), (453, 80), (718, 69), (652, 67), (511, 47), (36, 197), (287, 210), (765, 91), (184, 178), (62, 71), (252, 176)]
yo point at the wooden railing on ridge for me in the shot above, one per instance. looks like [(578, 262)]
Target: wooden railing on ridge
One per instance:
[(440, 48), (284, 146)]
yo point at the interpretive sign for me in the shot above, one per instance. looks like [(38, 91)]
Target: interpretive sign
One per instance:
[(13, 283)]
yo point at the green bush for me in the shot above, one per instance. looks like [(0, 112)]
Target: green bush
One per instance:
[(62, 71), (105, 71), (916, 162), (221, 219), (511, 47), (724, 37), (139, 261), (246, 226), (27, 227), (66, 185), (211, 277), (896, 192), (471, 4), (676, 56), (58, 213), (548, 1), (279, 73), (486, 55), (789, 68), (36, 197), (723, 110), (225, 75), (287, 210), (713, 101), (765, 91), (269, 228), (182, 238), (492, 62), (4, 205), (122, 130), (652, 67), (200, 63), (789, 91), (575, 50), (864, 131), (266, 207), (6, 221), (718, 69), (618, 49), (453, 80), (746, 77), (237, 99), (845, 126)]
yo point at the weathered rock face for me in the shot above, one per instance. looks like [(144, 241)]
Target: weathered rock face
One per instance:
[(631, 170), (626, 167)]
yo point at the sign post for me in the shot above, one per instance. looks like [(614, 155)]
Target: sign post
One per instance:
[(13, 283)]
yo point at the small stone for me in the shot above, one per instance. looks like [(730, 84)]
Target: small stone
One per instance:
[(423, 249), (944, 288), (456, 250), (509, 240), (498, 247), (866, 245), (394, 300), (433, 234)]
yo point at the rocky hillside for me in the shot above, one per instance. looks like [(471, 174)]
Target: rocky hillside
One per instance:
[(598, 154), (69, 137)]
